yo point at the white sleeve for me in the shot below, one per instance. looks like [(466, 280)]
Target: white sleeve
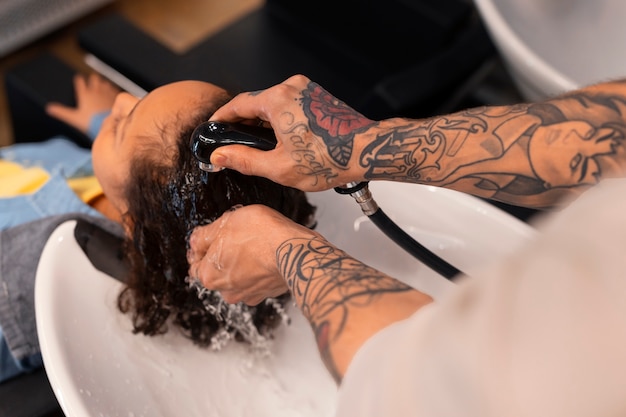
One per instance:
[(540, 334)]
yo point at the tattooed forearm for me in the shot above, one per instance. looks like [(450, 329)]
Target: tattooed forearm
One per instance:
[(525, 154), (530, 154), (329, 282), (330, 287)]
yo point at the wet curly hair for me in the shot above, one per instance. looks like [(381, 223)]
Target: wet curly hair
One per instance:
[(168, 195)]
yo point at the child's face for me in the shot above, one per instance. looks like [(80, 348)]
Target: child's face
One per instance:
[(133, 121)]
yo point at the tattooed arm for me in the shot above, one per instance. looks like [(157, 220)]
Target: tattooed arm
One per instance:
[(344, 300), (527, 154)]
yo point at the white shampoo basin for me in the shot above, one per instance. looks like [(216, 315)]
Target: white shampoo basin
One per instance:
[(553, 46), (97, 367)]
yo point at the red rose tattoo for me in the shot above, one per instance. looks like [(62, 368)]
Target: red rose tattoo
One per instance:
[(333, 121)]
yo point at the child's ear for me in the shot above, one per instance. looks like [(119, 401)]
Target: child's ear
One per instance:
[(104, 206)]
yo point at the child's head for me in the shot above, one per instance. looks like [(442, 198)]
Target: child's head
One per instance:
[(143, 160), (149, 127)]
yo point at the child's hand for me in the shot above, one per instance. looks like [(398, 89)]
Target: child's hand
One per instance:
[(94, 94)]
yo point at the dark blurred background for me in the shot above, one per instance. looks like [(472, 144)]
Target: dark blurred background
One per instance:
[(177, 24)]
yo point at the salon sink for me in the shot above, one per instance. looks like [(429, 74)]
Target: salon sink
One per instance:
[(467, 232), (97, 367), (552, 46)]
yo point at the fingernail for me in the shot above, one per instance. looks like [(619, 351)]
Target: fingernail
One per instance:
[(190, 256), (191, 241)]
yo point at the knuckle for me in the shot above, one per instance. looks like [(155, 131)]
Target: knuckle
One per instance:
[(300, 79), (283, 90), (193, 239)]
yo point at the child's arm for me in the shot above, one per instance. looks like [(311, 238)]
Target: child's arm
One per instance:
[(94, 96)]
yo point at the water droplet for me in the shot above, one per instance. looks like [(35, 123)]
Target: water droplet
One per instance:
[(236, 318)]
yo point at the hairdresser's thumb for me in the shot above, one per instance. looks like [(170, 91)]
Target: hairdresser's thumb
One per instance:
[(238, 157)]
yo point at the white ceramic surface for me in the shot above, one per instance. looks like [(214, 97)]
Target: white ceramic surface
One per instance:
[(552, 46), (97, 367)]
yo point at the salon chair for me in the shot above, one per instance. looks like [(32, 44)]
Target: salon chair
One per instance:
[(29, 85), (31, 395), (384, 58)]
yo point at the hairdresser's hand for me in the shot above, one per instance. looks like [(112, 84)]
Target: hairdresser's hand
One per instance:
[(316, 134), (94, 95), (254, 252), (236, 254)]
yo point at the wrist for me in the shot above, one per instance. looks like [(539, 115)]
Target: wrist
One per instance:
[(95, 123), (342, 297), (393, 149)]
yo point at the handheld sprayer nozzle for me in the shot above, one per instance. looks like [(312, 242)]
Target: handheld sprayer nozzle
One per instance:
[(209, 136), (209, 167)]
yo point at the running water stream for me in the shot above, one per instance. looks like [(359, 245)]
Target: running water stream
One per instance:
[(236, 319)]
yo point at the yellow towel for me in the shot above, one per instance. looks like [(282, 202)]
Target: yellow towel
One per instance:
[(16, 180)]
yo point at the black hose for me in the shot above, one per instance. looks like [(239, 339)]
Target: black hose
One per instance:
[(406, 242), (363, 196)]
